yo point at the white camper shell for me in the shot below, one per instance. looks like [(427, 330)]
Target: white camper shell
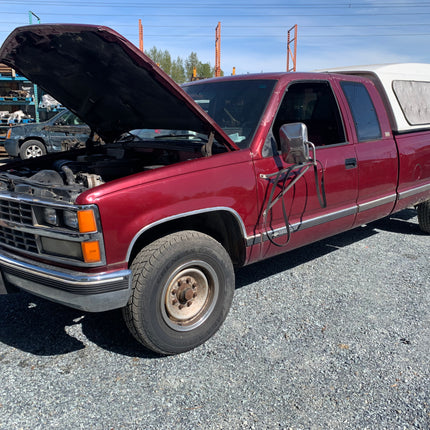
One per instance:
[(405, 89)]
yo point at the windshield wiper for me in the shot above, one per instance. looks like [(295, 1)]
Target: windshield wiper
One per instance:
[(200, 137)]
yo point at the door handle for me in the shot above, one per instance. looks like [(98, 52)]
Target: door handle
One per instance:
[(351, 163)]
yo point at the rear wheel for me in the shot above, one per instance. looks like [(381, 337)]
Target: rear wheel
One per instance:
[(423, 211), (183, 285), (32, 149)]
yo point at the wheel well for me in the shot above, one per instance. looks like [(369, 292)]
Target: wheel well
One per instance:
[(26, 139), (221, 225)]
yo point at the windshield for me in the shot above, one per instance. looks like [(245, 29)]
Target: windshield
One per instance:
[(235, 105)]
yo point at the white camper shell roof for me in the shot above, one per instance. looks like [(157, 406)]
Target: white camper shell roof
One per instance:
[(405, 89)]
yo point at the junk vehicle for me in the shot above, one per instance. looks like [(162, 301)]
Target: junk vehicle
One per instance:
[(247, 167), (61, 132)]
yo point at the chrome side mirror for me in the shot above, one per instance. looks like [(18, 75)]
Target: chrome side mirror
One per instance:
[(294, 143)]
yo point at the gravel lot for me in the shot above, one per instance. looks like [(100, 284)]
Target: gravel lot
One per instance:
[(335, 335)]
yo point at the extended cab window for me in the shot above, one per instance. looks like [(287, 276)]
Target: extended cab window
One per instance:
[(314, 104), (363, 112)]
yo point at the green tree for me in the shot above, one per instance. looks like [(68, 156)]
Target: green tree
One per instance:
[(191, 62), (204, 70), (162, 58), (178, 71)]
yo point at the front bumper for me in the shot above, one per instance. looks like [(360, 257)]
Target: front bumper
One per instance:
[(95, 292), (11, 146)]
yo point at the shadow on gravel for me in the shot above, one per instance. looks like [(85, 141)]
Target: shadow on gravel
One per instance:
[(40, 327), (37, 326), (399, 223)]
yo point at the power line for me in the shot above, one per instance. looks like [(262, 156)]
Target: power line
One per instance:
[(263, 5), (277, 15)]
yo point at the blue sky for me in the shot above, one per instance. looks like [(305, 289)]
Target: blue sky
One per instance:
[(331, 33)]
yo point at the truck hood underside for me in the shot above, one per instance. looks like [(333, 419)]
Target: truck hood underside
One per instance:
[(104, 79)]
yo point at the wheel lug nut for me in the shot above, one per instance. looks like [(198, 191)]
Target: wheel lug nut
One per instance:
[(180, 306), (173, 292), (189, 303), (188, 280), (174, 301), (194, 295)]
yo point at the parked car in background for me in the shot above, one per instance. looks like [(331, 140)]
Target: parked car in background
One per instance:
[(62, 132)]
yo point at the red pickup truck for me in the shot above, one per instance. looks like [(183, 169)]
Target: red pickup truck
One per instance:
[(194, 181)]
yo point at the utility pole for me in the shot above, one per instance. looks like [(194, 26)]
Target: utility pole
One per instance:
[(218, 50), (292, 53), (36, 97)]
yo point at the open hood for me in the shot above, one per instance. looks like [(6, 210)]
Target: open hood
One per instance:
[(104, 79)]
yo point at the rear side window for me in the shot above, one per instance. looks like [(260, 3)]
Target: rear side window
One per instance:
[(413, 97), (363, 112)]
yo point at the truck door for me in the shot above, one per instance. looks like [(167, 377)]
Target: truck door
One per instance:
[(298, 217), (376, 151)]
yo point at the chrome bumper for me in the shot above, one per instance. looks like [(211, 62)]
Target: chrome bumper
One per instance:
[(95, 292)]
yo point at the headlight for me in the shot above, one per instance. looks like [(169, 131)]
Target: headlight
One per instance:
[(83, 221), (50, 216), (71, 219)]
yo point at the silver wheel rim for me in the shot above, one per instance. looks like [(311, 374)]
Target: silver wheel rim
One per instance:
[(33, 151), (189, 295)]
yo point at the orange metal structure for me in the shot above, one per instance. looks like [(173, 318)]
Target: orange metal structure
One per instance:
[(140, 35), (292, 53), (218, 50)]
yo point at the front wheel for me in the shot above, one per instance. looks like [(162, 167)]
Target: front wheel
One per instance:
[(32, 149), (183, 285), (423, 212)]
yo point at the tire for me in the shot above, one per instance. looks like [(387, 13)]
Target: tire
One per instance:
[(423, 211), (32, 149), (183, 286)]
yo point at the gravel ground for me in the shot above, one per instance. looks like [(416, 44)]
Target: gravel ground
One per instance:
[(335, 335)]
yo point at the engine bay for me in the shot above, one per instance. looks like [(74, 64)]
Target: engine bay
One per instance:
[(63, 176)]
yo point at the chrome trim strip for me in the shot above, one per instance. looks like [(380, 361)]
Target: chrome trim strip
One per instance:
[(324, 218), (186, 214), (14, 196), (66, 276), (413, 191), (312, 222), (378, 202)]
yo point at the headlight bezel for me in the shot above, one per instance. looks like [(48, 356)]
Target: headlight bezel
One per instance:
[(73, 227)]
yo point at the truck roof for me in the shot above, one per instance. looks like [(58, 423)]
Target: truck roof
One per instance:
[(405, 89)]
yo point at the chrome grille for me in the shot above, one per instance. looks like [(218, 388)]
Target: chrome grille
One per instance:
[(16, 211), (18, 239)]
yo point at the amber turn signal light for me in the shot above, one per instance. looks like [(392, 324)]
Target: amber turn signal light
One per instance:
[(91, 251), (86, 221)]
